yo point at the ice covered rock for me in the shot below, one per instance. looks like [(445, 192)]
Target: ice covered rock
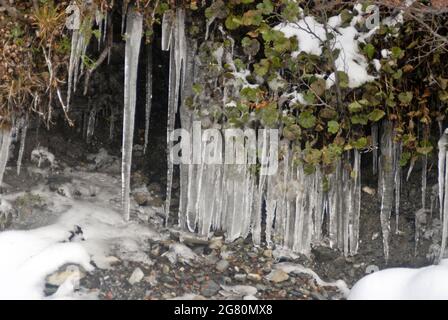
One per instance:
[(41, 156), (180, 253)]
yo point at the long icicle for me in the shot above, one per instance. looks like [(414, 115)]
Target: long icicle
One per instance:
[(23, 132), (397, 149), (442, 179), (5, 142), (148, 94), (387, 185), (375, 148), (178, 59), (134, 26)]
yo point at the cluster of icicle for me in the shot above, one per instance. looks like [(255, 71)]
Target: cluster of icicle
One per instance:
[(291, 209), (9, 134), (81, 26), (288, 208)]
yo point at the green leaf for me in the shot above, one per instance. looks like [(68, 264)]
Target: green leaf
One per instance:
[(405, 157), (397, 53), (333, 126), (307, 120), (291, 11), (197, 88), (355, 106), (262, 67), (233, 22), (425, 147), (369, 50), (359, 119), (361, 143), (405, 97), (376, 115), (252, 17), (318, 86), (397, 75), (343, 79), (266, 7)]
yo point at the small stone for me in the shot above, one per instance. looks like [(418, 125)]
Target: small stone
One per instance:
[(267, 253), (369, 190), (151, 279), (254, 277), (317, 296), (142, 198), (222, 265), (210, 288), (323, 254), (154, 187), (165, 269), (155, 202), (240, 277), (136, 276), (215, 243), (277, 276), (58, 278)]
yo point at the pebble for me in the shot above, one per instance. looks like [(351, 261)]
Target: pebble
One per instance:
[(142, 198), (240, 277), (222, 265), (277, 276), (210, 288), (165, 269), (254, 277), (267, 253), (136, 276)]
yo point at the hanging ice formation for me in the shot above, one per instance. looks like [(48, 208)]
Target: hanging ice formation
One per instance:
[(288, 208), (5, 143), (134, 29), (23, 129), (174, 40), (387, 180), (148, 94), (443, 187), (81, 35), (291, 208)]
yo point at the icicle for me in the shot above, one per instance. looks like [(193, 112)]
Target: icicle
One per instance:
[(23, 131), (186, 120), (375, 148), (112, 123), (73, 23), (167, 25), (443, 188), (134, 26), (424, 176), (257, 213), (91, 125), (5, 142), (178, 59), (356, 206), (397, 180), (74, 57), (387, 185), (148, 94), (319, 207)]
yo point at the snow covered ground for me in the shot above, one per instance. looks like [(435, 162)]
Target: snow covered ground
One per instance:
[(90, 201)]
